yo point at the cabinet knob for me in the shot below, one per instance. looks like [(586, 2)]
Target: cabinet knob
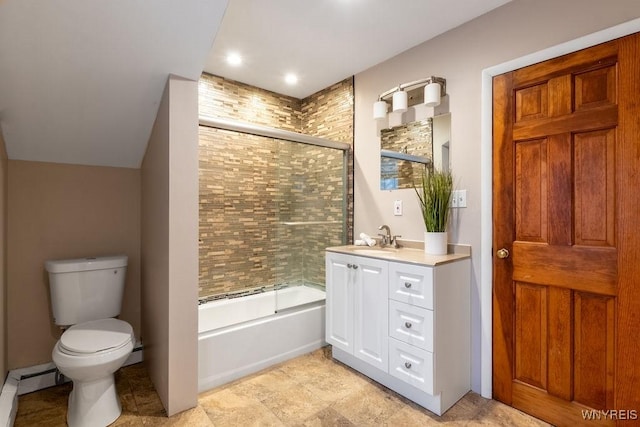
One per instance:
[(407, 285), (355, 267), (349, 265), (407, 325), (407, 365)]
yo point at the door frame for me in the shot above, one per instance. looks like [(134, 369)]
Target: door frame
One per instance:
[(486, 176)]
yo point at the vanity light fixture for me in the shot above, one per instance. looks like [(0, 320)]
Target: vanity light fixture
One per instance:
[(428, 91)]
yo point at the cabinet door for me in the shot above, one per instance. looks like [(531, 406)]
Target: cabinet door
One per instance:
[(339, 307), (371, 311)]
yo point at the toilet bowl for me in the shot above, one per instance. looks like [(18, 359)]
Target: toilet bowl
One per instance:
[(89, 353)]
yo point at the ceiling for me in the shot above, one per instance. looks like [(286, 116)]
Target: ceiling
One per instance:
[(325, 41), (81, 80)]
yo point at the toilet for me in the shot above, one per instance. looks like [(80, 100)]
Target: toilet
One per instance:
[(86, 295)]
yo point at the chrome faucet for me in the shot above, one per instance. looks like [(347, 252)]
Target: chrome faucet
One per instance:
[(386, 238)]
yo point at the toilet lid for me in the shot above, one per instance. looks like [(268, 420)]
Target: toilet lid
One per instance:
[(96, 335)]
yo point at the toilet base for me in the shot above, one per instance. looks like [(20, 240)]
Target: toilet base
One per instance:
[(93, 403)]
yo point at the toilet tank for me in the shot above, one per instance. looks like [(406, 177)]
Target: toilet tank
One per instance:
[(85, 289)]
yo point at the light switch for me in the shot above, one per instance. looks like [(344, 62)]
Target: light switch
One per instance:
[(459, 199)]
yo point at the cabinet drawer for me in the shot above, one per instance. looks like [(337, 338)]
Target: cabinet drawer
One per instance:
[(411, 365), (411, 284), (410, 324)]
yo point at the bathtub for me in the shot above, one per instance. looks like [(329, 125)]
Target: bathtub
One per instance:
[(240, 336)]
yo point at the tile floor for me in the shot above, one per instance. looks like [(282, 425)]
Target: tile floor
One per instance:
[(311, 390)]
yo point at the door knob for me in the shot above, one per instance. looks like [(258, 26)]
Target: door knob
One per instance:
[(503, 253)]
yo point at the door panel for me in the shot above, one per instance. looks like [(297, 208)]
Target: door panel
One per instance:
[(593, 363), (531, 191), (531, 334), (594, 188), (566, 150), (559, 340)]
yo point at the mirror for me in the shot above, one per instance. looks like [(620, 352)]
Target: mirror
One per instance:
[(407, 148)]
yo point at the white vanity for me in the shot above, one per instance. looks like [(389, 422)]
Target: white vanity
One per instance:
[(402, 318)]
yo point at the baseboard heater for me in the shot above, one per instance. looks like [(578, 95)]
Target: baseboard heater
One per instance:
[(27, 380)]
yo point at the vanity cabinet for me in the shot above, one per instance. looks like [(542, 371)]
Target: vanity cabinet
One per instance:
[(409, 323), (357, 318)]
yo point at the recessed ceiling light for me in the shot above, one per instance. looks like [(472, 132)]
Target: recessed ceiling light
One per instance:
[(234, 59), (291, 78)]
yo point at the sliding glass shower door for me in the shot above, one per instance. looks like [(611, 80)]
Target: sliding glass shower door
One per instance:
[(268, 209), (311, 201)]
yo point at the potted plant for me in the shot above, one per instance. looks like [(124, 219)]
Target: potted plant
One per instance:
[(435, 202)]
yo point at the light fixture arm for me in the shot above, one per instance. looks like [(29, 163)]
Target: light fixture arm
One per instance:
[(384, 96)]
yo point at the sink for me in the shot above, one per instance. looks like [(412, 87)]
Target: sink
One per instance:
[(380, 252)]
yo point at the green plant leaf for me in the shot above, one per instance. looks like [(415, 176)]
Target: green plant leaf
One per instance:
[(435, 198)]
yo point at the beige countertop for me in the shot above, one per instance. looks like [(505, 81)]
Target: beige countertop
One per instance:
[(410, 255)]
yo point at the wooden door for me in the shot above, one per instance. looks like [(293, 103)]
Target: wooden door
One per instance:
[(566, 186)]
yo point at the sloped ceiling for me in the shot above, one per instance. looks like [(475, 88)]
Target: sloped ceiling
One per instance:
[(81, 80), (326, 41)]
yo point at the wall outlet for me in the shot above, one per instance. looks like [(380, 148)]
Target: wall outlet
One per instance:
[(397, 207)]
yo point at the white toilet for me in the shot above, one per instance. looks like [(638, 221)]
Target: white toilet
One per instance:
[(86, 294)]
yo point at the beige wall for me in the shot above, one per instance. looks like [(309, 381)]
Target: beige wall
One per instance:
[(514, 30), (170, 247), (64, 211), (3, 256)]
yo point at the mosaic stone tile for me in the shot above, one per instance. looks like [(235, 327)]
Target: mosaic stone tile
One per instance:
[(255, 191)]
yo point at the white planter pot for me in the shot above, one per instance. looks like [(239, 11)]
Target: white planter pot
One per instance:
[(435, 243)]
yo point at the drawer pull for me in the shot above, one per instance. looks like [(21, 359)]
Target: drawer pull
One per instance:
[(407, 285), (349, 265), (355, 267), (407, 365), (407, 325)]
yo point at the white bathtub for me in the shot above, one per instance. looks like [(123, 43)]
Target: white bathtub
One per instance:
[(240, 336)]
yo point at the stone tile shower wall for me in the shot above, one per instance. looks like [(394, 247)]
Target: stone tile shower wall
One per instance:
[(254, 191)]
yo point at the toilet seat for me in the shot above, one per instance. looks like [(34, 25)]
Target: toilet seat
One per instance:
[(96, 336)]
